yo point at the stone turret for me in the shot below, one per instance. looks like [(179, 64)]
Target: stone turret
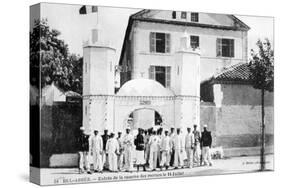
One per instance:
[(98, 81), (188, 80)]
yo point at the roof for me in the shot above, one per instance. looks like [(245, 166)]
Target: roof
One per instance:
[(238, 73), (144, 87), (142, 16)]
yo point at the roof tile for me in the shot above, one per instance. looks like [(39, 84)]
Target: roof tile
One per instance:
[(237, 72)]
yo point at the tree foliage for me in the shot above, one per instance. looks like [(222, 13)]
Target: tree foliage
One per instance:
[(57, 64), (262, 66), (262, 77)]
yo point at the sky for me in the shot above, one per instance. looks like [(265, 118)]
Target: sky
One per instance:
[(76, 28)]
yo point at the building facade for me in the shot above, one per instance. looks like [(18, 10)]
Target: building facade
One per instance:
[(165, 56)]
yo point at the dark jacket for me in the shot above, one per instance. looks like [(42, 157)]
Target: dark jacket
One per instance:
[(206, 139), (104, 140), (83, 142), (139, 142)]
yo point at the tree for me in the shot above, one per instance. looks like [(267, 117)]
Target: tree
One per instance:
[(57, 65), (262, 75)]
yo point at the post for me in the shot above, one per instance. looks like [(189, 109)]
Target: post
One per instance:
[(262, 160)]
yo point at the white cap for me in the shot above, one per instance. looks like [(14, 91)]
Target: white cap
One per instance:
[(205, 125), (82, 128), (128, 128)]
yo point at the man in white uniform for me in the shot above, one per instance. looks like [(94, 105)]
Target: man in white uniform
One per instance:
[(112, 149), (189, 144), (120, 158), (172, 156), (128, 142), (153, 142), (196, 149), (96, 149), (166, 148), (178, 146)]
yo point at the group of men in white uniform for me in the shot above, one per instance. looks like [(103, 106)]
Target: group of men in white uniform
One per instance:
[(151, 147)]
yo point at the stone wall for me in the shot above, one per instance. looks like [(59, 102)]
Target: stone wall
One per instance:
[(236, 122), (59, 127)]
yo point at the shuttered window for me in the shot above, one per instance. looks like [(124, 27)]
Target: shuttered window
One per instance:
[(219, 47), (161, 74), (159, 42), (194, 41), (174, 14), (152, 72), (168, 76), (167, 43), (183, 15), (194, 17), (225, 47), (152, 39)]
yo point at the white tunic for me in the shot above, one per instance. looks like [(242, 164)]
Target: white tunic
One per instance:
[(96, 144), (166, 144), (189, 140), (112, 146), (128, 141), (178, 142), (154, 141)]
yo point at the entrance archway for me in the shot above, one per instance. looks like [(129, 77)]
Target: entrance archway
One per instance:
[(144, 118)]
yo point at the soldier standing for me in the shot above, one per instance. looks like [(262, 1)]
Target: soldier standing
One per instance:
[(178, 147), (196, 150), (206, 142), (83, 151), (112, 149), (128, 142), (189, 145), (165, 150), (153, 142), (120, 157), (172, 157), (139, 143), (96, 148), (105, 137), (147, 146), (159, 134)]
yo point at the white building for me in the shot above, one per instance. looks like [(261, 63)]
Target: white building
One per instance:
[(165, 56)]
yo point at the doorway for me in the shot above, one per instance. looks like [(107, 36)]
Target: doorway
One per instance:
[(144, 118)]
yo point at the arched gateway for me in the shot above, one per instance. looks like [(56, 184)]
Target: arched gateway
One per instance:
[(178, 105), (147, 95)]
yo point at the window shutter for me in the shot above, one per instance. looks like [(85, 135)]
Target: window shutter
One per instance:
[(168, 77), (152, 41), (219, 47), (231, 48), (167, 43), (152, 72)]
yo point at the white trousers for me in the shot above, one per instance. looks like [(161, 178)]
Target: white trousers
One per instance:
[(128, 159), (196, 155), (112, 161), (165, 159), (178, 160), (105, 160), (120, 160), (189, 155), (153, 159), (84, 160), (97, 160), (207, 159)]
